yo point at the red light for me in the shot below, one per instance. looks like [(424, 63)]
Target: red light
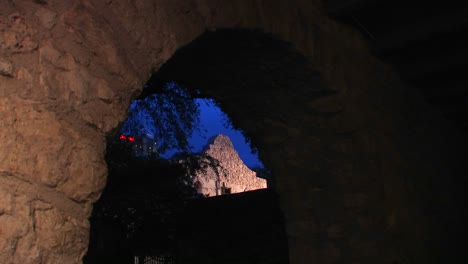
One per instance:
[(122, 137), (131, 139)]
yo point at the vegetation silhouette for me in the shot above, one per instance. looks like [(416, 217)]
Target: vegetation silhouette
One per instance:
[(136, 215), (169, 114)]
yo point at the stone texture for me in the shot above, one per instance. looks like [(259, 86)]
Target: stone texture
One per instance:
[(6, 68), (17, 35), (233, 173), (372, 158), (47, 18), (39, 228)]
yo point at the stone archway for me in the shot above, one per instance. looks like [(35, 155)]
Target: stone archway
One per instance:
[(69, 70), (248, 72)]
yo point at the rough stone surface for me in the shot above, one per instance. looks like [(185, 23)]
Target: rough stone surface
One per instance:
[(233, 174), (6, 68), (47, 18), (364, 175)]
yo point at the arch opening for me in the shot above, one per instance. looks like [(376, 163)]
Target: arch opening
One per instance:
[(157, 166), (245, 72)]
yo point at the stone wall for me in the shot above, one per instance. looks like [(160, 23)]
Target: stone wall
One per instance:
[(232, 174), (250, 223), (364, 175)]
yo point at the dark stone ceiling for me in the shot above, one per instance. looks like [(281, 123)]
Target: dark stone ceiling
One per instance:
[(425, 42)]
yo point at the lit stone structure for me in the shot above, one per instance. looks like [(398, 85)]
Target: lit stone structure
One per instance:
[(233, 175)]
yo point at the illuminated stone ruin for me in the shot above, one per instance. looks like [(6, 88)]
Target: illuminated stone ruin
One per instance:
[(233, 175)]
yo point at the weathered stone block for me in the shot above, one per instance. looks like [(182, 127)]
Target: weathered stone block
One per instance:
[(6, 68)]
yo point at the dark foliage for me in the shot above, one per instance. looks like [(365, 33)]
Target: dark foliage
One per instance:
[(137, 212), (170, 114), (200, 162), (143, 196)]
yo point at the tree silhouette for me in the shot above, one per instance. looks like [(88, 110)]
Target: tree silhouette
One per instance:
[(170, 114), (141, 202), (137, 212), (139, 206)]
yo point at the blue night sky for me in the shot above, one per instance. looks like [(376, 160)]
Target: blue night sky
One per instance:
[(213, 121)]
